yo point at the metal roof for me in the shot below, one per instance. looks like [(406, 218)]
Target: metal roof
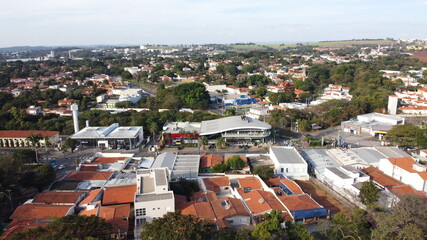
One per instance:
[(231, 123), (287, 155), (338, 172), (392, 152), (153, 197), (113, 131), (164, 160), (370, 155), (318, 159), (186, 166)]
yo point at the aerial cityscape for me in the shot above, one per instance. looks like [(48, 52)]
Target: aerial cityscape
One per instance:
[(213, 120)]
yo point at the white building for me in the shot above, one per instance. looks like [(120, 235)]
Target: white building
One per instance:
[(406, 170), (336, 92), (374, 124), (289, 162), (153, 198), (258, 113)]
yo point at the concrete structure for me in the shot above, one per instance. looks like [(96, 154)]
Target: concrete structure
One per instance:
[(17, 139), (113, 137), (178, 133), (289, 162), (392, 104), (374, 124), (258, 113), (75, 109), (153, 198), (179, 166), (406, 170)]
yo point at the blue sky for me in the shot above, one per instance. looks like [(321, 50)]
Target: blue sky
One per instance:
[(82, 22)]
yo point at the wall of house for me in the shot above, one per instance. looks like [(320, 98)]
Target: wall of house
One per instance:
[(239, 220)]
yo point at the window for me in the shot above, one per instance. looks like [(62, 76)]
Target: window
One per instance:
[(141, 212), (154, 208), (281, 169), (140, 221), (286, 169)]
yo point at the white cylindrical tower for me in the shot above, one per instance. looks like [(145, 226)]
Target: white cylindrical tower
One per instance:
[(75, 109)]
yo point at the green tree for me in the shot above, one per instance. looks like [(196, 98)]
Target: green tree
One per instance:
[(153, 128), (263, 171), (269, 227), (304, 125), (369, 193), (124, 104), (24, 155), (69, 227), (404, 135), (220, 143), (44, 176), (261, 91), (235, 163), (406, 220), (126, 75), (184, 187), (204, 142), (219, 168), (230, 112), (34, 140), (70, 144), (178, 227)]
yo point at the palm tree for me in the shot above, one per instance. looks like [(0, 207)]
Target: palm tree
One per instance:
[(220, 143), (46, 145), (153, 129), (34, 140), (204, 142)]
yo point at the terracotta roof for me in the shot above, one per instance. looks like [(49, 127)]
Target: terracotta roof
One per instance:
[(108, 160), (88, 168), (118, 195), (213, 183), (202, 196), (40, 211), (198, 209), (260, 202), (228, 207), (208, 160), (91, 196), (58, 197), (406, 189), (380, 178), (250, 182), (117, 215), (291, 185), (25, 134), (180, 201), (406, 163), (17, 226), (91, 210), (86, 175), (299, 202)]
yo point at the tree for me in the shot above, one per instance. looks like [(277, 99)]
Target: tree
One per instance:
[(184, 187), (70, 144), (124, 104), (219, 168), (235, 163), (404, 135), (153, 128), (69, 227), (263, 171), (24, 155), (34, 140), (126, 75), (297, 232), (270, 226), (178, 227), (304, 125), (230, 112), (204, 142), (44, 176), (220, 143), (261, 91), (369, 193), (406, 220), (354, 225)]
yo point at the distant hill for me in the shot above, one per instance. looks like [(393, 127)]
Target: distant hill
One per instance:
[(24, 48)]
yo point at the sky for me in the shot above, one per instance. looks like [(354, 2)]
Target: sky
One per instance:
[(92, 22)]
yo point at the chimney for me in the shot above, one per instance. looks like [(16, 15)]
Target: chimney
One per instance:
[(87, 123), (75, 109)]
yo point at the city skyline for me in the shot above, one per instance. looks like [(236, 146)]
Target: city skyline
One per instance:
[(58, 23)]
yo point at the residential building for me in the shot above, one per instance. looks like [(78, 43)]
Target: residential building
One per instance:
[(374, 124), (406, 170), (218, 185), (34, 111), (230, 212), (153, 198), (258, 113), (209, 160)]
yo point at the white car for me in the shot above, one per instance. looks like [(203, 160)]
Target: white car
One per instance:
[(61, 167)]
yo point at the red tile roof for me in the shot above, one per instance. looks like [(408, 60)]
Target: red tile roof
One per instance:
[(198, 209), (406, 189), (117, 215), (119, 195), (25, 134), (89, 211), (213, 183), (406, 163), (107, 160), (180, 201), (228, 207), (245, 159), (40, 211), (58, 197), (91, 196), (86, 176), (202, 196), (260, 202), (380, 178), (250, 182), (291, 185), (17, 226), (88, 168), (208, 160), (299, 202)]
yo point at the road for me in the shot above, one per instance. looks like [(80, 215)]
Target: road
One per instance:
[(333, 133)]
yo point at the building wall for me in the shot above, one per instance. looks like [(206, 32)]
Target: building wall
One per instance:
[(238, 220), (402, 175), (154, 209)]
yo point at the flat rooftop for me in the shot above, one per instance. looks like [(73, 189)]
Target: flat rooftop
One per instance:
[(287, 155), (318, 159), (338, 172), (186, 166), (177, 127), (153, 197), (113, 131), (164, 160), (370, 155)]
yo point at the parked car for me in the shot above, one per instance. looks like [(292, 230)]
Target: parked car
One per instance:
[(62, 166)]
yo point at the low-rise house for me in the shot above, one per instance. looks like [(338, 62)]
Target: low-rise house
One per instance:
[(406, 170), (209, 160), (219, 185), (59, 198), (34, 111), (16, 139), (230, 212), (119, 195)]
